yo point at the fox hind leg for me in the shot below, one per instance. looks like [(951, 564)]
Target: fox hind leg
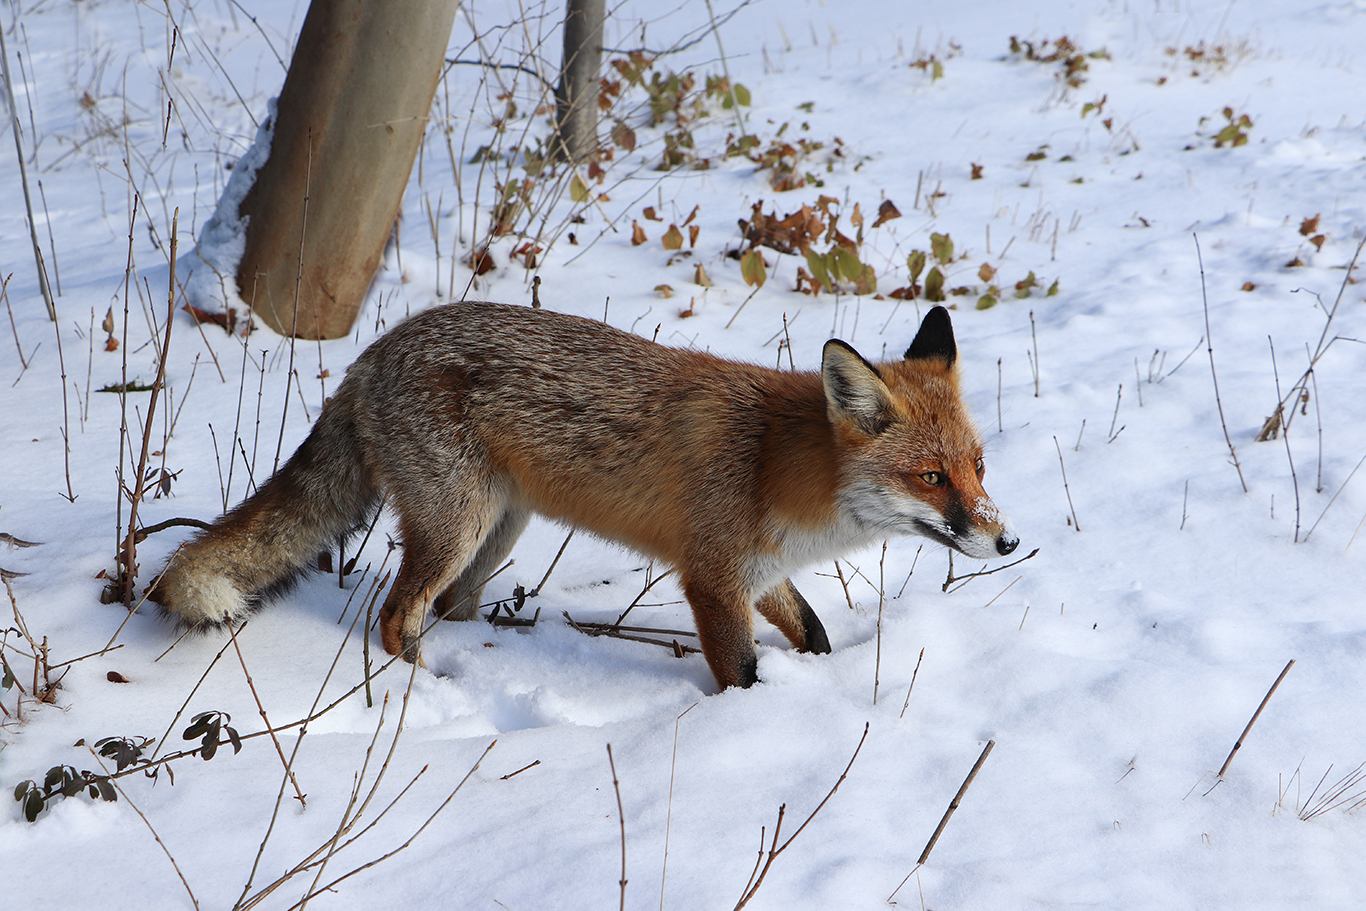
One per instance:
[(438, 545), (462, 599), (786, 609)]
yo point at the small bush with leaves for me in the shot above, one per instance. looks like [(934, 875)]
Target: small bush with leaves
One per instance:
[(838, 267), (1073, 62), (127, 754), (934, 288), (1234, 131)]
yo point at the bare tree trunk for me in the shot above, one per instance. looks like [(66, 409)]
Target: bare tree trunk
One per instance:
[(348, 125), (576, 97)]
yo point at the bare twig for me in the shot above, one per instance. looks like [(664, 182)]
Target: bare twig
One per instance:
[(915, 673), (1075, 523), (1209, 344), (161, 844), (129, 556), (23, 179), (1253, 720), (1285, 437), (774, 849), (560, 553), (621, 818), (953, 805), (262, 709), (669, 813), (649, 584), (986, 572)]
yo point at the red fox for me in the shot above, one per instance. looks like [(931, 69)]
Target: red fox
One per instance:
[(467, 418)]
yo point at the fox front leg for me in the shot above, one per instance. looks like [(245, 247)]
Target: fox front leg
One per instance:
[(725, 626), (786, 609)]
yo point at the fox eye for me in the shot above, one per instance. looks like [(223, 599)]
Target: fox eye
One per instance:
[(933, 478), (981, 467)]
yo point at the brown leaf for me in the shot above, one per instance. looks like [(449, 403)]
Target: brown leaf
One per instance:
[(226, 320), (1249, 286), (700, 276), (1310, 225), (481, 261), (673, 238), (886, 212), (693, 231), (650, 213), (1317, 240), (977, 172), (637, 234), (115, 677), (624, 136)]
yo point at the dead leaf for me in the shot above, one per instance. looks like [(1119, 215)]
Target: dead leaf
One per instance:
[(637, 234), (886, 212), (481, 261)]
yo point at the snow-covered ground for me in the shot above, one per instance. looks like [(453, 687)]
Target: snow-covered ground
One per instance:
[(1114, 671)]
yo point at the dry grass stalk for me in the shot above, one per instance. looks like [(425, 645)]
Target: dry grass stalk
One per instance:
[(1255, 715)]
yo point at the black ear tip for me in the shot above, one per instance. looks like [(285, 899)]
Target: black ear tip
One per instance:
[(935, 338)]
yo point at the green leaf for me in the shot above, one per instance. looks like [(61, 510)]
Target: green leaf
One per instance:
[(22, 788), (578, 190), (752, 268), (1053, 289), (916, 263), (847, 265), (866, 282), (33, 805), (934, 285), (986, 302), (942, 247), (820, 271)]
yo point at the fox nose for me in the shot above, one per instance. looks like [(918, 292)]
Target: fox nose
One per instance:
[(1007, 543)]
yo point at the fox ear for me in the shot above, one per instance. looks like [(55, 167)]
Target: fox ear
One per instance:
[(935, 338), (854, 390)]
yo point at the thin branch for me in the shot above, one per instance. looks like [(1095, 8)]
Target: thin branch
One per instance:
[(1255, 715), (1209, 344), (775, 851), (621, 817)]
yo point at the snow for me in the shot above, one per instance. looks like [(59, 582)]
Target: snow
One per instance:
[(1114, 671)]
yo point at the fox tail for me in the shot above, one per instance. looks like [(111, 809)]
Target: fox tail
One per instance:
[(258, 549)]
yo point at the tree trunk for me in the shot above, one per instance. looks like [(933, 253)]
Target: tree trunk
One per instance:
[(348, 125), (576, 97)]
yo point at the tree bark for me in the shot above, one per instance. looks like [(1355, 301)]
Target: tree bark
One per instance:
[(576, 97), (349, 121)]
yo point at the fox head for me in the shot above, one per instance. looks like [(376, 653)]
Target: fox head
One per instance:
[(911, 455)]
